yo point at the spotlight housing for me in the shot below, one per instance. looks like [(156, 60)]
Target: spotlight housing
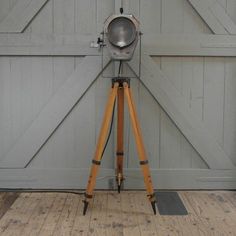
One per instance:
[(121, 35)]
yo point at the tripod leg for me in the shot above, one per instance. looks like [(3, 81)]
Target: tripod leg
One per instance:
[(140, 147), (100, 145), (120, 138)]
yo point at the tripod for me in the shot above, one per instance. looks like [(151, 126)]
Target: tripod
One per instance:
[(119, 90)]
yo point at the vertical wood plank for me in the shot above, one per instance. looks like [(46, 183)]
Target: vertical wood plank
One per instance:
[(105, 8), (214, 82), (183, 19), (230, 109), (5, 106), (64, 16), (150, 16), (42, 82), (131, 7), (172, 21), (21, 96), (170, 149), (196, 90), (150, 122), (86, 16), (4, 9), (231, 9)]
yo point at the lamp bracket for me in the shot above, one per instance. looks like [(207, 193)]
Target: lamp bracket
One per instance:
[(120, 80)]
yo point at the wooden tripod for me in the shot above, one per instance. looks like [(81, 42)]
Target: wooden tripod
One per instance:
[(120, 89)]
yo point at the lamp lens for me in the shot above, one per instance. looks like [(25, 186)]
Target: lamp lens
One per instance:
[(121, 32)]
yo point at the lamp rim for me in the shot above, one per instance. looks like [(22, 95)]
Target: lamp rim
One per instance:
[(130, 40), (114, 16)]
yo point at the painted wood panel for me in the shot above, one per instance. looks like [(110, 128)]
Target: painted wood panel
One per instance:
[(231, 9), (149, 117), (6, 6), (27, 87), (179, 17), (186, 74), (202, 82), (86, 17), (28, 83), (214, 86), (230, 109), (20, 15), (151, 16)]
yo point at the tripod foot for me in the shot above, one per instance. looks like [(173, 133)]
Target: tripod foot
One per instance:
[(85, 207), (119, 187), (119, 180), (154, 207)]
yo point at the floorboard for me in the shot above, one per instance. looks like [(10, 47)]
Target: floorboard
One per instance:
[(209, 213)]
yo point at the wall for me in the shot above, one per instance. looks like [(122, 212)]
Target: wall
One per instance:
[(28, 83)]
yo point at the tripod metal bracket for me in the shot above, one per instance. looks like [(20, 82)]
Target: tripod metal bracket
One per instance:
[(120, 80), (143, 162), (96, 162), (120, 154)]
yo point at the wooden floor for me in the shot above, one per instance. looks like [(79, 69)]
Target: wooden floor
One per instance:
[(210, 213)]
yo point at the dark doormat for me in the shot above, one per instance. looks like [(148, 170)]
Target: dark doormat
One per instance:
[(169, 203)]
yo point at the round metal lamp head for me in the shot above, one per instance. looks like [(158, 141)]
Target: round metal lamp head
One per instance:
[(121, 32), (121, 36)]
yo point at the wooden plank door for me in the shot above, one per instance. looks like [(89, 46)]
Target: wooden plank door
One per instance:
[(52, 93)]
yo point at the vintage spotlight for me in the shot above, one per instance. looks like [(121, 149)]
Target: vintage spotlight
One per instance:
[(121, 35)]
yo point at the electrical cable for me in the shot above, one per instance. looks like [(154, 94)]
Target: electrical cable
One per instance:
[(109, 135), (121, 7), (119, 71), (39, 191)]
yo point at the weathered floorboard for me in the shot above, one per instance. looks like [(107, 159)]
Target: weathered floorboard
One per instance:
[(209, 213)]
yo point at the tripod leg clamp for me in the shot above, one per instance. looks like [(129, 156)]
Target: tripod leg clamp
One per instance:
[(98, 163), (143, 162), (120, 154)]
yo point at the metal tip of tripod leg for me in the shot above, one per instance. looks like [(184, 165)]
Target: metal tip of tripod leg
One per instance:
[(154, 207), (85, 207), (119, 187)]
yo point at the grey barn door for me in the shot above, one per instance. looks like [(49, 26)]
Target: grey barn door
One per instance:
[(52, 94)]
